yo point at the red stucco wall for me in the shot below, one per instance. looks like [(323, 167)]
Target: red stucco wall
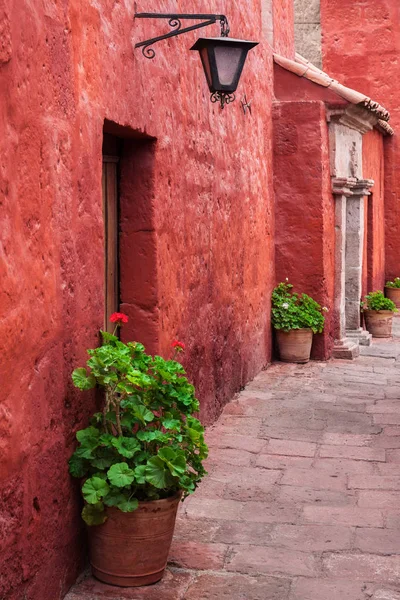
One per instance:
[(304, 209), (64, 68), (374, 247), (283, 19), (361, 47)]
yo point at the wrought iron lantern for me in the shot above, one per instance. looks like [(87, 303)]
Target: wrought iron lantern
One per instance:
[(223, 58), (223, 61)]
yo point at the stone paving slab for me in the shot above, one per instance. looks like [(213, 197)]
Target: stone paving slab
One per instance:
[(302, 501)]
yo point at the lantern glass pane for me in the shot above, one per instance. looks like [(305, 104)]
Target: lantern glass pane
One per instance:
[(227, 59), (206, 64)]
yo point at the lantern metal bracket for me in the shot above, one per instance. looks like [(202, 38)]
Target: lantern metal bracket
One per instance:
[(174, 21)]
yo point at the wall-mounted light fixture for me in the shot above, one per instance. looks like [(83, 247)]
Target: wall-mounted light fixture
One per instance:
[(222, 58)]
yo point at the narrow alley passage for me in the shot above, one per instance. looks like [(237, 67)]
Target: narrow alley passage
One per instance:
[(302, 501)]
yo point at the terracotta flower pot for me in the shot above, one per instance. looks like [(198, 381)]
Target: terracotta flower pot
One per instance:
[(394, 295), (131, 549), (294, 345), (379, 322)]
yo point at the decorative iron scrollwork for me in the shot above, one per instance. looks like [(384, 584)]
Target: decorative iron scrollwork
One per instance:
[(222, 98), (174, 21), (225, 29), (148, 52)]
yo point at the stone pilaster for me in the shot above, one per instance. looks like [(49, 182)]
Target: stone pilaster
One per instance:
[(354, 259), (342, 190)]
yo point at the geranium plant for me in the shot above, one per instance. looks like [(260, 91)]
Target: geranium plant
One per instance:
[(146, 444), (377, 301), (393, 284), (295, 311)]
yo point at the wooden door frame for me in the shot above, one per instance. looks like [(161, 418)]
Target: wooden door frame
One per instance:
[(111, 235)]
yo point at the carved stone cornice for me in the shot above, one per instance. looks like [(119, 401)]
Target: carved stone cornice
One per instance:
[(353, 116), (342, 186), (351, 186), (363, 187)]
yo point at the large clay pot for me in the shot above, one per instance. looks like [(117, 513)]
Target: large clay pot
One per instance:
[(295, 345), (379, 322), (131, 549), (394, 295)]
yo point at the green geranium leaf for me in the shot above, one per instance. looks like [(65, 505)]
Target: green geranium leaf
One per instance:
[(143, 414), (142, 457), (78, 467), (100, 474), (112, 417), (108, 337), (195, 424), (152, 436), (129, 388), (82, 380), (102, 463), (187, 484), (84, 452), (167, 454), (175, 461), (128, 421), (88, 437), (157, 473), (194, 435), (120, 475), (169, 423), (93, 514), (97, 419), (106, 440), (128, 505), (126, 446), (138, 378), (94, 489), (140, 474), (119, 500)]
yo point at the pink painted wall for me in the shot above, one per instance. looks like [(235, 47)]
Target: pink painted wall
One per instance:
[(64, 69), (361, 47)]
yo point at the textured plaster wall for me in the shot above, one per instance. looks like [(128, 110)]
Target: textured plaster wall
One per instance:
[(304, 207), (64, 68), (307, 30), (283, 18), (374, 247), (361, 47), (278, 25), (267, 20)]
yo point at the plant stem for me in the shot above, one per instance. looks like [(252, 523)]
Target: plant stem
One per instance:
[(117, 417), (105, 411)]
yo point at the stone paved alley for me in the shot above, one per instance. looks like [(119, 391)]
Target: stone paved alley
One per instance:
[(303, 497)]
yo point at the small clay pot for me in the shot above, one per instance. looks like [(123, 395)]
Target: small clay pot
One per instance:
[(379, 323), (131, 549), (294, 345), (394, 295)]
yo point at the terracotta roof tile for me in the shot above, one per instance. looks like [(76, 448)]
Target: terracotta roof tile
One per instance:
[(290, 65), (303, 68)]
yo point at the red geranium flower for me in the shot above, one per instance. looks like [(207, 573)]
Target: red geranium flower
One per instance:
[(177, 344), (119, 318)]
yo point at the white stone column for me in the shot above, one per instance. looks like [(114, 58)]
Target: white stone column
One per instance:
[(354, 259), (342, 191)]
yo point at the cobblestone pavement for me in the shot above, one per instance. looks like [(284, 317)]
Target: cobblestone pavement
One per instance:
[(303, 497)]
